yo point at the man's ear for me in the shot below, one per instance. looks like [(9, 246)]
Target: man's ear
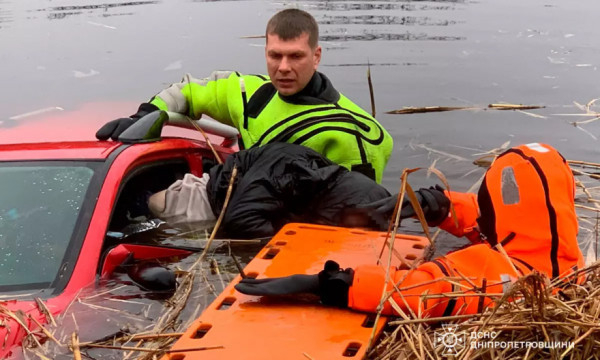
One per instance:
[(317, 57)]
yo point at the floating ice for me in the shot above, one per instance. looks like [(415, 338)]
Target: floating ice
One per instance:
[(557, 60), (36, 112), (102, 25), (174, 66), (80, 74)]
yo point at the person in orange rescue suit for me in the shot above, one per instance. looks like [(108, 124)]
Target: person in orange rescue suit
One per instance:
[(525, 203)]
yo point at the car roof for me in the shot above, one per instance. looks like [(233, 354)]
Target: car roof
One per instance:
[(55, 133), (85, 150)]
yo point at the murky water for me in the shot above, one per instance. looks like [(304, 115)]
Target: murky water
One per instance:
[(422, 53)]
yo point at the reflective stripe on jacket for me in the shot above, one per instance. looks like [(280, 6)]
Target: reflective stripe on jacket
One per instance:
[(322, 119)]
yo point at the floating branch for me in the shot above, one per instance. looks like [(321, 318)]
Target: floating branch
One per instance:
[(75, 346), (587, 108), (44, 310), (428, 109), (141, 349), (371, 93), (514, 107)]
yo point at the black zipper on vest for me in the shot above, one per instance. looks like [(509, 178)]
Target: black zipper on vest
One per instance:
[(523, 262), (508, 239), (452, 302), (361, 149), (244, 102), (442, 266)]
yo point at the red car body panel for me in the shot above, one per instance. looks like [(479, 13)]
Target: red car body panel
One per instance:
[(121, 252), (77, 125), (65, 136)]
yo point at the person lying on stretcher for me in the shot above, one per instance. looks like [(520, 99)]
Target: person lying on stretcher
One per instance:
[(522, 220)]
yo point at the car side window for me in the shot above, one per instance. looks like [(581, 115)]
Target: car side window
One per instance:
[(39, 207)]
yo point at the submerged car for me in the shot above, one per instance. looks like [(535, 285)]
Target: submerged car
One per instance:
[(62, 191)]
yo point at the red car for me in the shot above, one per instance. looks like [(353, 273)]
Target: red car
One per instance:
[(62, 191)]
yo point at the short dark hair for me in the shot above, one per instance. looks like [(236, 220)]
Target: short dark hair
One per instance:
[(289, 24)]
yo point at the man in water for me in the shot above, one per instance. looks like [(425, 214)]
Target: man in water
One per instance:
[(295, 103)]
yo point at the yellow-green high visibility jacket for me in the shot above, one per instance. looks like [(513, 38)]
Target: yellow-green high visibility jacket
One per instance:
[(318, 117)]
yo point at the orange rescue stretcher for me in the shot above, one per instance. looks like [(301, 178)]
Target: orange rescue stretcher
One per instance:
[(294, 327)]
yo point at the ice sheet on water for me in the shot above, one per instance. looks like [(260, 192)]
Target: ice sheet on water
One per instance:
[(176, 65)]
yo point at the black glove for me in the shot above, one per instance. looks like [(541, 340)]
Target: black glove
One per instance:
[(152, 277), (331, 284), (114, 128), (433, 201)]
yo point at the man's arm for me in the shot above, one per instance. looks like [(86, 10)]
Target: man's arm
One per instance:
[(218, 96), (222, 96)]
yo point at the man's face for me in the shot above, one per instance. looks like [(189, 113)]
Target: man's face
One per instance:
[(291, 63)]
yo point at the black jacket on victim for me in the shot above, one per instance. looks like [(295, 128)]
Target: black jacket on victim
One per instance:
[(281, 183)]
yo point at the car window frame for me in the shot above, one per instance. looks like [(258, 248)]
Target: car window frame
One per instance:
[(136, 169)]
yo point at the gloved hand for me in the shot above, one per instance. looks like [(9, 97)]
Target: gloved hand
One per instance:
[(114, 128), (433, 201), (331, 284), (152, 277)]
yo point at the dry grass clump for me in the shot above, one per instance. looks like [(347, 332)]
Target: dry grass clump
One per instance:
[(535, 319)]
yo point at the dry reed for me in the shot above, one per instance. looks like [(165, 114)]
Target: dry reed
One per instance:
[(429, 109), (543, 321)]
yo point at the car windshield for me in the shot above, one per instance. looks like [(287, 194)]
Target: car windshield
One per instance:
[(40, 204)]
